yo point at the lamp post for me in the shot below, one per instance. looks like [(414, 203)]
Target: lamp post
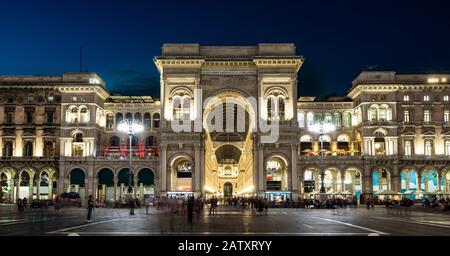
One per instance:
[(321, 129), (131, 128)]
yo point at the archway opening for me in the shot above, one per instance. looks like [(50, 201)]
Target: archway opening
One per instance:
[(105, 187), (77, 182), (409, 183), (227, 190), (25, 182), (125, 182), (146, 183)]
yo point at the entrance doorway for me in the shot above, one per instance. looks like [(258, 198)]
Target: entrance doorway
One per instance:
[(227, 190)]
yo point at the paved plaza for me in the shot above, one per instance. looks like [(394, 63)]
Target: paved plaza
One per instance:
[(227, 221)]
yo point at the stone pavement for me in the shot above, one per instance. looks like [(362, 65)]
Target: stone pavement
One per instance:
[(228, 221)]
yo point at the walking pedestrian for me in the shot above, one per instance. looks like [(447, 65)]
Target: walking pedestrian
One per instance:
[(197, 208), (90, 207), (368, 203), (147, 204)]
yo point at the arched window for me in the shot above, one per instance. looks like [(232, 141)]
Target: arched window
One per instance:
[(373, 113), (129, 117), (49, 150), (156, 120), (347, 120), (134, 142), (305, 145), (24, 179), (147, 121), (28, 149), (84, 115), (8, 149), (72, 115), (337, 120), (428, 147), (44, 179), (408, 148), (138, 117), (270, 108), (318, 118), (187, 108), (150, 141), (301, 119), (177, 108), (119, 118), (281, 108), (78, 137), (343, 143), (309, 119), (380, 148), (114, 141), (328, 119), (109, 121)]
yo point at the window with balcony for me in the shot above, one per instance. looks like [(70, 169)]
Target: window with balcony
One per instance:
[(405, 97), (28, 149), (147, 121), (408, 148), (426, 98), (156, 120), (447, 147), (301, 119), (8, 149), (29, 117), (406, 118), (49, 117), (445, 98), (428, 147), (426, 116), (446, 116), (9, 117), (309, 119)]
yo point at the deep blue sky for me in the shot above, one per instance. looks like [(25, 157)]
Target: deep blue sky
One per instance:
[(120, 38)]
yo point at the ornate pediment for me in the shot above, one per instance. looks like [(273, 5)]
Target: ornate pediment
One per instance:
[(408, 134)]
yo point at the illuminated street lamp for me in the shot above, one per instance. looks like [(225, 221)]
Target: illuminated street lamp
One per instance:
[(131, 128), (322, 129)]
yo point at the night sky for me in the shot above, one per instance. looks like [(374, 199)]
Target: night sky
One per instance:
[(120, 38)]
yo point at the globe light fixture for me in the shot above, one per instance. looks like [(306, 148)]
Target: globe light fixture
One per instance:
[(321, 129)]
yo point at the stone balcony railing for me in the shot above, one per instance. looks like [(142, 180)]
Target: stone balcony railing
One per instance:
[(29, 158), (110, 158)]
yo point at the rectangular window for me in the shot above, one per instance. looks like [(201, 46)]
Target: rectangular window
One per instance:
[(446, 116), (49, 116), (405, 97), (426, 116), (426, 98), (447, 147), (445, 97), (29, 117), (428, 148), (408, 148), (9, 117), (51, 99), (406, 116), (10, 99)]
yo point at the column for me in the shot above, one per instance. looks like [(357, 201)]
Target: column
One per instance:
[(197, 168), (256, 164), (294, 173), (17, 187), (1, 143), (163, 167), (342, 181), (419, 183), (12, 194), (50, 187), (38, 193), (439, 181), (202, 168), (115, 188), (368, 183), (30, 189), (261, 171), (396, 180)]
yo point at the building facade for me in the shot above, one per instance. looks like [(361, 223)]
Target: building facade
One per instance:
[(228, 123)]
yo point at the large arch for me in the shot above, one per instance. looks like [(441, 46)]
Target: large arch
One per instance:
[(146, 183), (26, 180), (409, 182), (182, 169), (351, 181), (105, 188), (276, 172), (381, 179), (429, 179), (77, 184), (7, 185)]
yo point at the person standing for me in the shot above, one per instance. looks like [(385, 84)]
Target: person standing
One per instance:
[(368, 203), (147, 204), (90, 207), (197, 208), (190, 208)]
